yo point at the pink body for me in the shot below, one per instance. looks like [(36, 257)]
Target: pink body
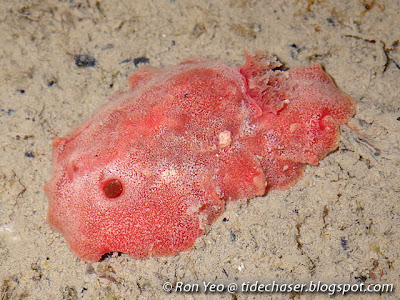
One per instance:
[(157, 163)]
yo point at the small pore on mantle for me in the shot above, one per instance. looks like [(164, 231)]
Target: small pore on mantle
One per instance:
[(113, 188)]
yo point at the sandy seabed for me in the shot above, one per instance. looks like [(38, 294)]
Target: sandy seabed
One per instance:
[(339, 224)]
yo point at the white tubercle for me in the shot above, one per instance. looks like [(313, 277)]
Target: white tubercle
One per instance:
[(225, 138)]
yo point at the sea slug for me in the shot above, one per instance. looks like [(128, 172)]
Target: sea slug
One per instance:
[(157, 163)]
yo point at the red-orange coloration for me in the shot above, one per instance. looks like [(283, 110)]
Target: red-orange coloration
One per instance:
[(157, 163)]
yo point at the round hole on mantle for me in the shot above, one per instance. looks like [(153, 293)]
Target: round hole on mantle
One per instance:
[(113, 188)]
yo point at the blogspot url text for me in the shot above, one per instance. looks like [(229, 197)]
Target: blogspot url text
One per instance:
[(275, 287)]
